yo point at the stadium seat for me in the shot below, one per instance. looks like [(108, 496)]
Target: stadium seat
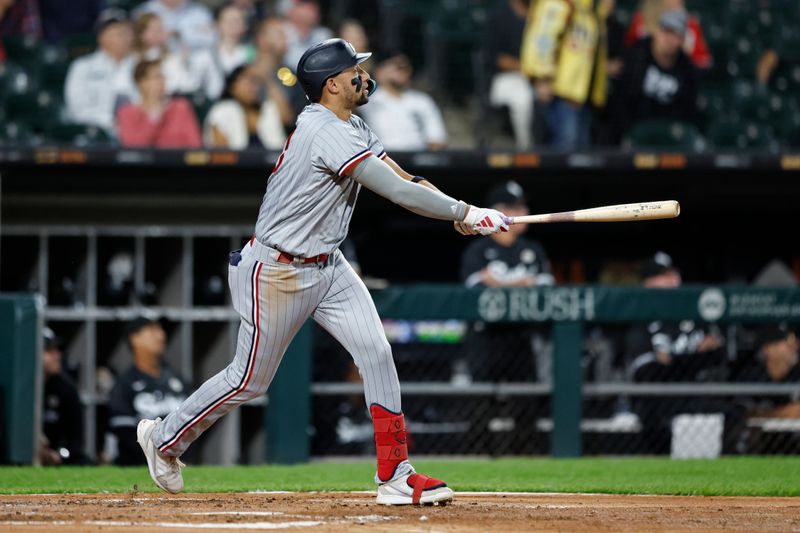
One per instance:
[(54, 67), (24, 50), (666, 134), (14, 80), (15, 133), (752, 102), (201, 103), (78, 135), (739, 135), (37, 109)]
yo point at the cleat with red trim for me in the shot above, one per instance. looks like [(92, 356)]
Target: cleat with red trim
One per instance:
[(415, 489), (165, 470)]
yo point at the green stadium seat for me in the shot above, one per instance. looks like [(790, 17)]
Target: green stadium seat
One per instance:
[(661, 133), (38, 109), (78, 135), (24, 50), (14, 80), (15, 133), (752, 102), (55, 64), (741, 135), (201, 103)]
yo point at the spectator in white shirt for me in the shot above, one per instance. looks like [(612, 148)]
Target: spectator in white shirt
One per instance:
[(241, 119), (210, 66), (303, 30), (190, 24), (100, 82), (403, 118)]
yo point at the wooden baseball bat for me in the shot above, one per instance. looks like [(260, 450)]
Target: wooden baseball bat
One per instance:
[(609, 213)]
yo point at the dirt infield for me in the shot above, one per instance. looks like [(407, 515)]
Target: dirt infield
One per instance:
[(345, 511)]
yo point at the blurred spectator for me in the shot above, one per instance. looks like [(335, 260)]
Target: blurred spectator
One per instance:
[(62, 439), (768, 61), (564, 52), (506, 259), (98, 83), (157, 120), (268, 65), (503, 352), (210, 66), (18, 17), (303, 29), (776, 361), (151, 44), (353, 32), (658, 79), (149, 389), (403, 118), (663, 351), (645, 22), (190, 24), (68, 17), (242, 119), (509, 86)]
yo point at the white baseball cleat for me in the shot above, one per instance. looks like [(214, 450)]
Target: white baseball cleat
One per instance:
[(414, 489), (165, 470)]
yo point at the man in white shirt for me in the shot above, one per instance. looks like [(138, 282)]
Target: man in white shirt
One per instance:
[(191, 24), (99, 82), (404, 119)]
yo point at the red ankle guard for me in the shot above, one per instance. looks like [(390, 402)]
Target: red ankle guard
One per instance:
[(390, 440)]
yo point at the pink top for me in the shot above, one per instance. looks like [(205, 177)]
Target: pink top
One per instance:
[(176, 127)]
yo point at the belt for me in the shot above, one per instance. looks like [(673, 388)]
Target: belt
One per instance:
[(283, 257)]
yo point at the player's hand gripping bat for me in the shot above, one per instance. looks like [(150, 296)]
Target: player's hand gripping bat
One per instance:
[(609, 213)]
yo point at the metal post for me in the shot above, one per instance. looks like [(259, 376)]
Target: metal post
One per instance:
[(288, 413), (567, 398)]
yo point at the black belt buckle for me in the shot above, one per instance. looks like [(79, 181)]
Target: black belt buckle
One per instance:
[(235, 257)]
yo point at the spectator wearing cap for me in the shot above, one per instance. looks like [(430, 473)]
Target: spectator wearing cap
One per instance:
[(658, 80), (645, 21), (666, 351), (97, 84), (242, 119), (62, 439), (157, 120), (403, 118), (149, 389), (776, 360), (61, 18), (499, 352), (303, 29), (190, 25)]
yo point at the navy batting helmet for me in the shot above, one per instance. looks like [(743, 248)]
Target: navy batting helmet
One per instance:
[(325, 60)]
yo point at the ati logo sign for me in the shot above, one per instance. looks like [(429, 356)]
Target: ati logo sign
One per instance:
[(536, 305), (711, 305)]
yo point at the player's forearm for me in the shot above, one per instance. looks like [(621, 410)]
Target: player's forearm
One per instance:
[(379, 177)]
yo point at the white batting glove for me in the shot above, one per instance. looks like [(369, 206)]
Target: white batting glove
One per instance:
[(485, 221)]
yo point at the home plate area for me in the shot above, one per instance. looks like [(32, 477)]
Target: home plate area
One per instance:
[(346, 511)]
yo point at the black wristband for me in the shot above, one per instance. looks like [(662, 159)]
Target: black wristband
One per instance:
[(417, 179)]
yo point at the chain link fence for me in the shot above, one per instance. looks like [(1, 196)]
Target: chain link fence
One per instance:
[(679, 388)]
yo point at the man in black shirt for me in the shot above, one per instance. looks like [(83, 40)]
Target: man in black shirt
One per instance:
[(658, 79), (149, 389), (62, 441), (683, 351), (498, 352)]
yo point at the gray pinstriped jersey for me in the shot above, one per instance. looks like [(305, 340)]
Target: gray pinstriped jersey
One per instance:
[(309, 202)]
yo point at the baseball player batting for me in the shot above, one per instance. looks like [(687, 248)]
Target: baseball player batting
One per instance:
[(291, 269)]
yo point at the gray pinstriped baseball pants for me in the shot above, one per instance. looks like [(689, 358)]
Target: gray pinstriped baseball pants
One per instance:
[(274, 300)]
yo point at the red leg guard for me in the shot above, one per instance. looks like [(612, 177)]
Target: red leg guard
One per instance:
[(390, 440)]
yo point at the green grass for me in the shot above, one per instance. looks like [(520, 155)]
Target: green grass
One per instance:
[(745, 476)]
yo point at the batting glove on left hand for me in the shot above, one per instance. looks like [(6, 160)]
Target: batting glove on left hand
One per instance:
[(485, 221)]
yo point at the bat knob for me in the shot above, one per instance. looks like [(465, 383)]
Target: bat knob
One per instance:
[(508, 220)]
